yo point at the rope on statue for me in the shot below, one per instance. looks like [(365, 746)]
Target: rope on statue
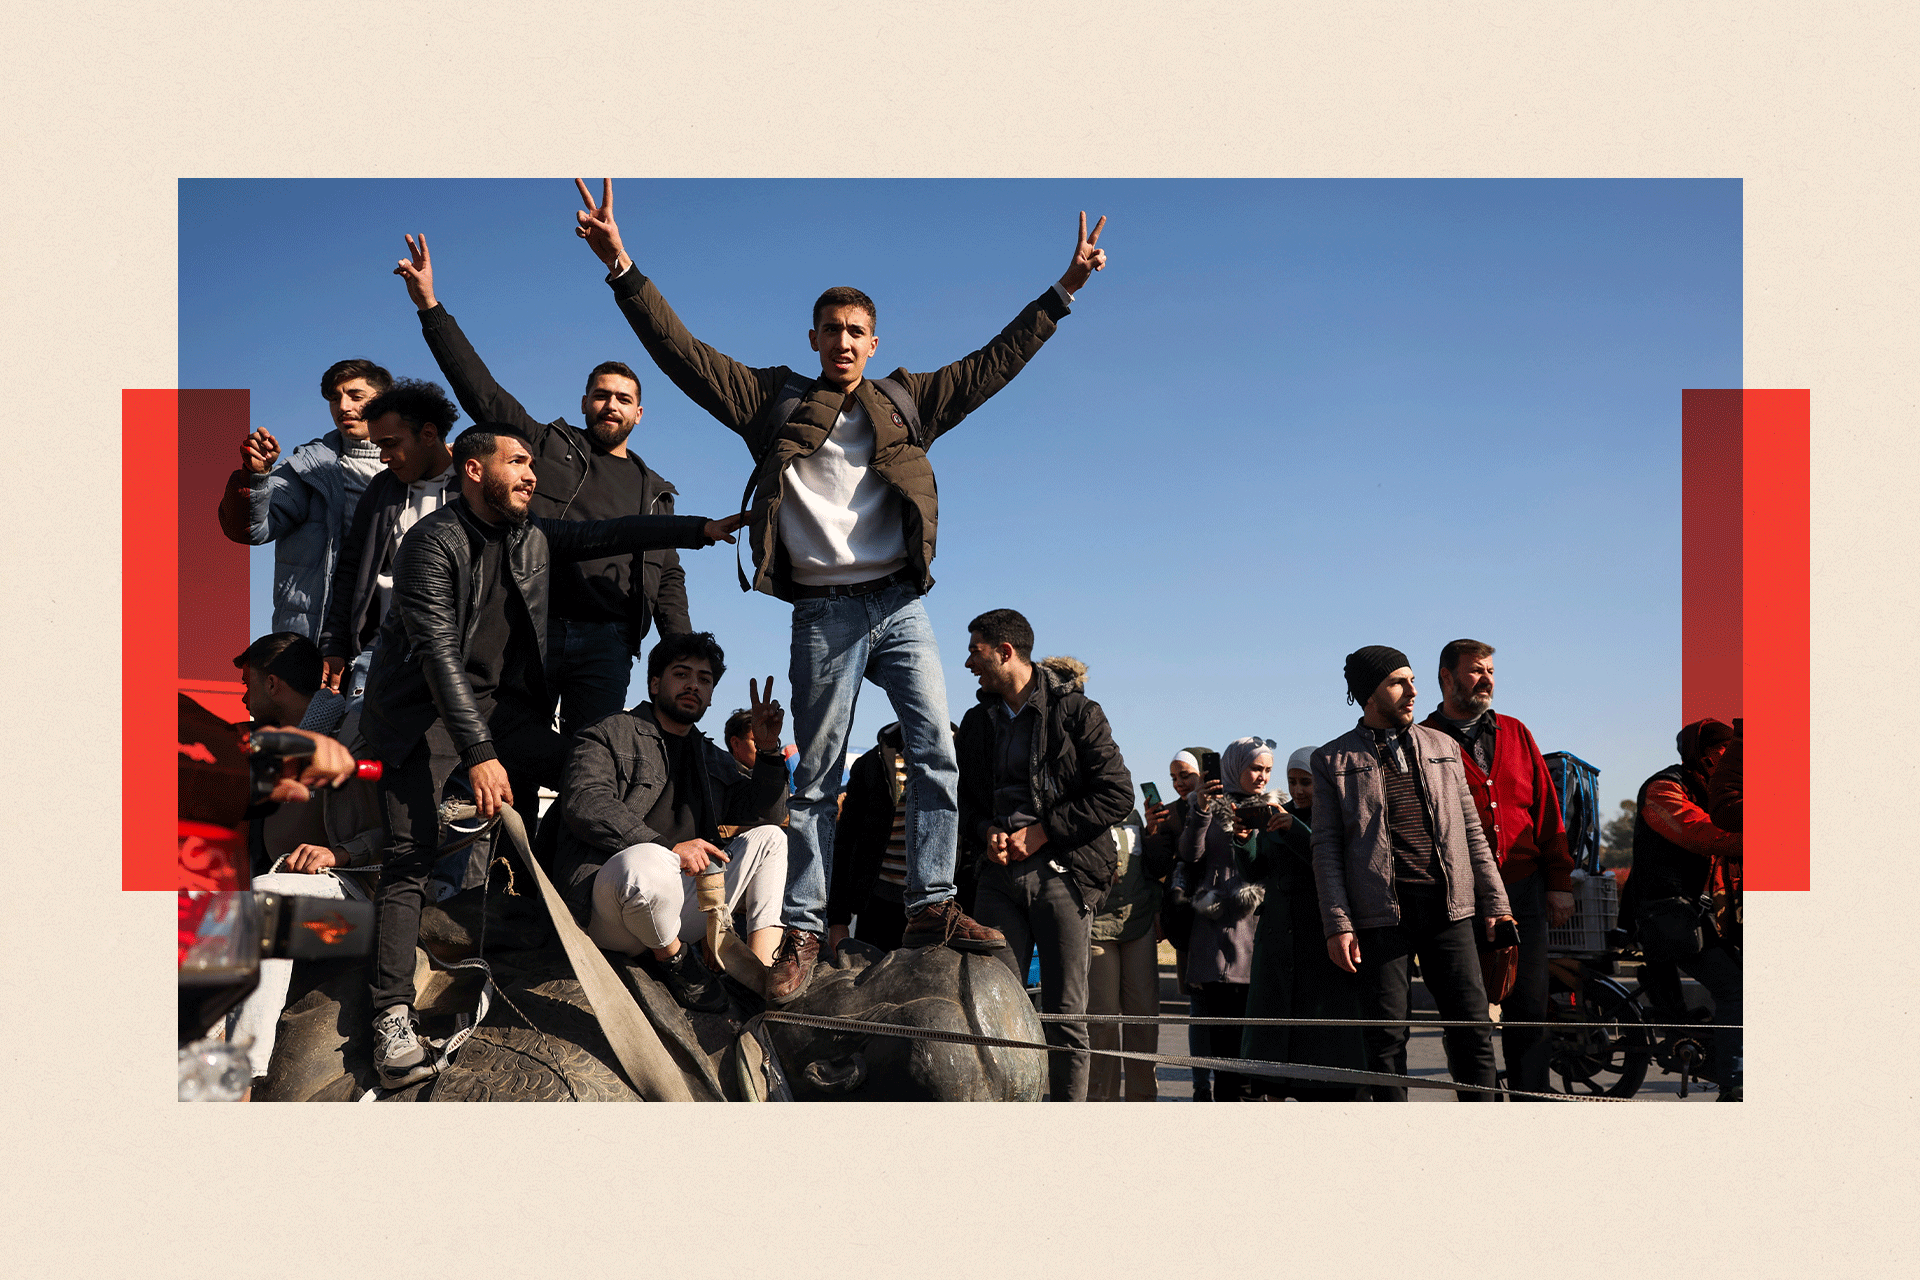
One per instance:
[(1242, 1066), (1175, 1020)]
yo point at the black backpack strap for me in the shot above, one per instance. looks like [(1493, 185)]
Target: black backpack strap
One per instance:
[(903, 405), (785, 401)]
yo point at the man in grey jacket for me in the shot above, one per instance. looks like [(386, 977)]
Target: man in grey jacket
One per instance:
[(649, 802), (1403, 867)]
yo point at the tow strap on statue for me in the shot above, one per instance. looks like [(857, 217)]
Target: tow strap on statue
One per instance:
[(726, 946), (643, 1059)]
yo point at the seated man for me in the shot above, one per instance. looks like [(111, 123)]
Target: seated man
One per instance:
[(644, 798), (341, 827), (1041, 788), (1675, 848)]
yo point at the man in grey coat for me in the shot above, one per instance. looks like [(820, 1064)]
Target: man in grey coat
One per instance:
[(1403, 867)]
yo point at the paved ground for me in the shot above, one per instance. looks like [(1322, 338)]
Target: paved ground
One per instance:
[(1426, 1056)]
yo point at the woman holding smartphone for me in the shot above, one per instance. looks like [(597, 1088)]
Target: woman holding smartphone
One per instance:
[(1220, 956)]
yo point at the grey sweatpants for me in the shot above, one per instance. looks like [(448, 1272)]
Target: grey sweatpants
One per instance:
[(1037, 906), (641, 898)]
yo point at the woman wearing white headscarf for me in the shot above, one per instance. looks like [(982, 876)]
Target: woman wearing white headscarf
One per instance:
[(1220, 956), (1293, 977)]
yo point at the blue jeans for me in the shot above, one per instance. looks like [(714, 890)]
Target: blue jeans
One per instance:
[(884, 637), (588, 667)]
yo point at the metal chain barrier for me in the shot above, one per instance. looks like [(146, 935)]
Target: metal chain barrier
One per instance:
[(1571, 1024)]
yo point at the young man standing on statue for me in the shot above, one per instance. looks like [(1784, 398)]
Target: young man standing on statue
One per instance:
[(843, 523)]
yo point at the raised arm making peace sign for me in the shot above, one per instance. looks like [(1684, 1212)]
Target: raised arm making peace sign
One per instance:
[(1087, 257)]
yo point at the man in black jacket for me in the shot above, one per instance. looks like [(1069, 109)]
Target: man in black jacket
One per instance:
[(1041, 787), (602, 606), (650, 801), (410, 423), (458, 678)]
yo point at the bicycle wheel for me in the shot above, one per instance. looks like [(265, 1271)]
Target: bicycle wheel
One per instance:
[(1602, 1050)]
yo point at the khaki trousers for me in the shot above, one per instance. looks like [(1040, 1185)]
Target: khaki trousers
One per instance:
[(1124, 977)]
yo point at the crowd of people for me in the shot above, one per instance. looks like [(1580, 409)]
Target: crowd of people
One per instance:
[(467, 608)]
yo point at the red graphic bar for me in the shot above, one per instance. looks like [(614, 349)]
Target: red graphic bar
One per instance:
[(183, 601), (1710, 555), (213, 569), (1745, 603), (149, 643), (1777, 609)]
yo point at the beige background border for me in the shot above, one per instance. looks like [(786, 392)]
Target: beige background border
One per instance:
[(107, 107)]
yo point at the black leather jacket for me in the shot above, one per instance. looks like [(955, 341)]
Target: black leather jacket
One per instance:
[(419, 670)]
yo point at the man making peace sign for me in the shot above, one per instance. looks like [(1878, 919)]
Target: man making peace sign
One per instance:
[(843, 523)]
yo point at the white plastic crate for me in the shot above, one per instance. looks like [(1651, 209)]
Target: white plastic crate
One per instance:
[(1596, 907)]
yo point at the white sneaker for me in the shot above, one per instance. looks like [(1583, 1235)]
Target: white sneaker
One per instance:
[(398, 1055)]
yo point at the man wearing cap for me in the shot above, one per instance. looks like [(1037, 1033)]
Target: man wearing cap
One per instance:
[(1403, 867), (1520, 815)]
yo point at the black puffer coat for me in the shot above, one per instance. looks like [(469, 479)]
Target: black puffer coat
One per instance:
[(1080, 783)]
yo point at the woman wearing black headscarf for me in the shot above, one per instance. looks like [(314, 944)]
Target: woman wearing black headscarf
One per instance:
[(1292, 975), (1675, 845)]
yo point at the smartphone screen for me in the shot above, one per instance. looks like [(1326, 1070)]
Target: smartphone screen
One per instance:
[(1151, 792)]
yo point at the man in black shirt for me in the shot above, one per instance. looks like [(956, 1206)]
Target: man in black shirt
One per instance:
[(1042, 786), (458, 679), (601, 607)]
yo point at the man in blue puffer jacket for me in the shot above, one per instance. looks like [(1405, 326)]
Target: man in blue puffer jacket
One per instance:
[(304, 503)]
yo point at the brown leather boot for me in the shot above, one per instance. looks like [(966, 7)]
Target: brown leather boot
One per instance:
[(792, 966), (944, 922)]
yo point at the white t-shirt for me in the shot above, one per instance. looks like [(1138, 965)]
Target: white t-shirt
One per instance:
[(424, 497), (841, 523)]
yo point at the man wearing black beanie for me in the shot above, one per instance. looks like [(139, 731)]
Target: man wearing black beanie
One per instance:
[(1403, 866)]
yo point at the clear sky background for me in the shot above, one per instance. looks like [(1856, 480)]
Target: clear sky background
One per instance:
[(1291, 418)]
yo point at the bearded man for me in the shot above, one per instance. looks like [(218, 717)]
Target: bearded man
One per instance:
[(458, 678)]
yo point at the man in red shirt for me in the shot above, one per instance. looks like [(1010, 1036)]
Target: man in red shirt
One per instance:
[(1520, 813)]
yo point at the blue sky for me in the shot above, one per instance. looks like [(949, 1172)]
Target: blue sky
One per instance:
[(1291, 418)]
